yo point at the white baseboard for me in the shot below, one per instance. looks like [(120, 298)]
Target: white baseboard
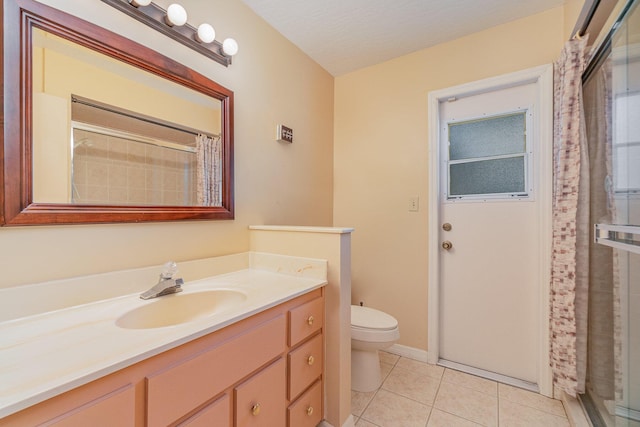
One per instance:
[(410, 352), (349, 422)]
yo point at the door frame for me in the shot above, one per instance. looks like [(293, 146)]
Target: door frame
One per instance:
[(542, 76)]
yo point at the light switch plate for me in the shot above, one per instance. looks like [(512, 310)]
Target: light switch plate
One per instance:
[(284, 134)]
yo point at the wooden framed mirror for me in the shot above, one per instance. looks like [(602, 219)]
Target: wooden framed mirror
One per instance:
[(139, 158)]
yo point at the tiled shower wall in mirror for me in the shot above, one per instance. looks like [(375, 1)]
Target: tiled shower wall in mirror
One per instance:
[(117, 171)]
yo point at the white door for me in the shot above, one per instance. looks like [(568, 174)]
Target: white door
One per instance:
[(489, 257)]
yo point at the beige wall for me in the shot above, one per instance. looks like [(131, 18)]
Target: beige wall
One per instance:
[(273, 82), (381, 159), (68, 69), (380, 154)]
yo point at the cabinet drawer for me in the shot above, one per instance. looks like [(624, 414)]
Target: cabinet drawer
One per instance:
[(176, 391), (305, 366), (216, 414), (305, 320), (260, 401), (307, 410), (115, 408)]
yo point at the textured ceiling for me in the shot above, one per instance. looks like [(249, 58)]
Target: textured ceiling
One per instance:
[(345, 35)]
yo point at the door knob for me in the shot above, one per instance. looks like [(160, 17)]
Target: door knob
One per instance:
[(446, 245)]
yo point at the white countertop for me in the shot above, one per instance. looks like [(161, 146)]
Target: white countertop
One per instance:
[(47, 354)]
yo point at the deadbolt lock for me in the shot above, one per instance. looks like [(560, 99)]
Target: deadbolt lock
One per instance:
[(446, 226)]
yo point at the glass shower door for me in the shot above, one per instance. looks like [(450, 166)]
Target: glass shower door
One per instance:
[(613, 379)]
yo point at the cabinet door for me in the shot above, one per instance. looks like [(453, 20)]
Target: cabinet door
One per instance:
[(305, 366), (216, 414), (176, 391), (260, 401), (307, 410)]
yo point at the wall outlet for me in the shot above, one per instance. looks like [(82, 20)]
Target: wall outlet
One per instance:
[(284, 134), (414, 205)]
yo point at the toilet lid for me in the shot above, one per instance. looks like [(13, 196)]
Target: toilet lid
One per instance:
[(370, 318)]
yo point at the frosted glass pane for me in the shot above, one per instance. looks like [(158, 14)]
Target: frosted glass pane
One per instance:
[(494, 136), (487, 177)]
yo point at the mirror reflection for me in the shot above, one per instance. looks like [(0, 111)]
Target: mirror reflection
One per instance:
[(108, 133)]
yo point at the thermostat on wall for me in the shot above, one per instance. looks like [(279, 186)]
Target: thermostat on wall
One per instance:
[(284, 134)]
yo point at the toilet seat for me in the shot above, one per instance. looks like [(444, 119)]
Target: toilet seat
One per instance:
[(370, 318), (371, 325)]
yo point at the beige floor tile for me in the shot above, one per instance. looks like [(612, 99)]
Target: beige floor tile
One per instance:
[(389, 358), (365, 423), (439, 418), (467, 403), (360, 400), (516, 415), (385, 369), (421, 367), (531, 399), (391, 410), (412, 384), (473, 382)]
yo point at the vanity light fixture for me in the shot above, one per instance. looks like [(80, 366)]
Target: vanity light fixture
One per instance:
[(138, 3), (176, 15), (206, 33), (173, 23), (229, 47)]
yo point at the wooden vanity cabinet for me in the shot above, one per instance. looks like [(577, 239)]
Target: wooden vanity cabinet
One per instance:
[(260, 401), (176, 390), (214, 414), (265, 370), (305, 363)]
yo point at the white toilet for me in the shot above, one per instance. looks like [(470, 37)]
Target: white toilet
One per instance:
[(371, 330)]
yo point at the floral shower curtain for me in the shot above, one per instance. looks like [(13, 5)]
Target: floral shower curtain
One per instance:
[(209, 170), (569, 292)]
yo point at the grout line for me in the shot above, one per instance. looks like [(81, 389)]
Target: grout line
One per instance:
[(457, 416), (433, 407), (369, 403)]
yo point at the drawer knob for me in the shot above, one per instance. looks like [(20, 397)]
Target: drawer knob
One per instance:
[(310, 320), (255, 409), (310, 360), (310, 410)]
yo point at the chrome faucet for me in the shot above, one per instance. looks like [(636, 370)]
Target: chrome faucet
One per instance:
[(166, 283)]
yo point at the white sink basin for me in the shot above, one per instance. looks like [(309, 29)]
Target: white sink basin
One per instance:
[(180, 308)]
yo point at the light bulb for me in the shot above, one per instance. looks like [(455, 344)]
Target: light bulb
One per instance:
[(206, 33), (176, 15), (230, 47), (138, 3)]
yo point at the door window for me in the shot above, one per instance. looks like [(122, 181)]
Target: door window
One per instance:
[(488, 157)]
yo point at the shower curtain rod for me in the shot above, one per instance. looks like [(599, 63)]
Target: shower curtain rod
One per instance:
[(586, 16), (133, 115), (598, 53)]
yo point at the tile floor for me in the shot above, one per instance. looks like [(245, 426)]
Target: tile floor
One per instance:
[(417, 394)]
